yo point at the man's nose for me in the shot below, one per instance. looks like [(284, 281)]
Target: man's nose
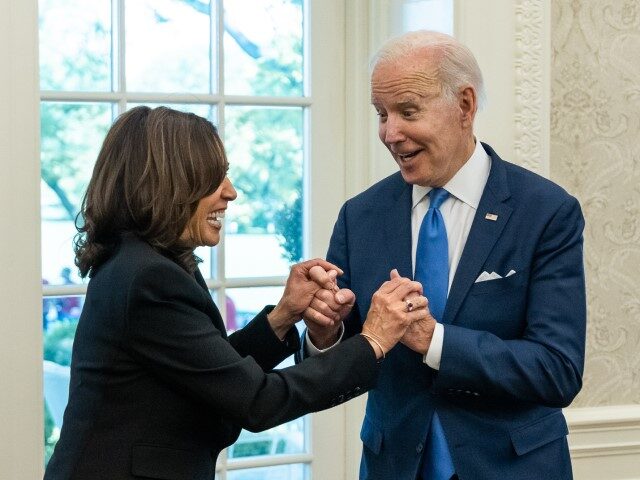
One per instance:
[(393, 131)]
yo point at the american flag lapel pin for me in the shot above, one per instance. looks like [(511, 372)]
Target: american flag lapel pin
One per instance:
[(491, 216)]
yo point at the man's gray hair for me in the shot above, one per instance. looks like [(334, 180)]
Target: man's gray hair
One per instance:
[(457, 67)]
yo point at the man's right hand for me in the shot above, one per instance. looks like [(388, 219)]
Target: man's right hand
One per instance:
[(419, 334)]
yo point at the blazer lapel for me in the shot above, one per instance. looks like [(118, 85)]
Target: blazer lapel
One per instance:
[(397, 229), (483, 234), (215, 313)]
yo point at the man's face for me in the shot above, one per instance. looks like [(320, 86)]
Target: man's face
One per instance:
[(427, 135)]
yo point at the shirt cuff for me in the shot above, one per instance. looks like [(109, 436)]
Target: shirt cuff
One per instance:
[(313, 350), (432, 358)]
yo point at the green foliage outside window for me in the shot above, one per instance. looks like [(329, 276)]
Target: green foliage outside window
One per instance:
[(50, 434), (269, 176), (58, 342), (288, 221)]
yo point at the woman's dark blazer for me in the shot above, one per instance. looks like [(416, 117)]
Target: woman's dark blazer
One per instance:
[(158, 389)]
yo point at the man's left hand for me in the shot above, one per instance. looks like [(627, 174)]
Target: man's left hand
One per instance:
[(419, 334)]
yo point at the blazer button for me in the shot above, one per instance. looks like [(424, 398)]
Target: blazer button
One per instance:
[(419, 447)]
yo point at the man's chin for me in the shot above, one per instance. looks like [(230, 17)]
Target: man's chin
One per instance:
[(412, 177)]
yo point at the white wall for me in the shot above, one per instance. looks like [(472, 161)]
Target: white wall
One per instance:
[(21, 410)]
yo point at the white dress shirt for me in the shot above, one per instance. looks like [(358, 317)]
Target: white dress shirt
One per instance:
[(458, 210)]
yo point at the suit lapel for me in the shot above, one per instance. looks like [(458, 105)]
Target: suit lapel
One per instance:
[(200, 279), (214, 312), (397, 229), (482, 236)]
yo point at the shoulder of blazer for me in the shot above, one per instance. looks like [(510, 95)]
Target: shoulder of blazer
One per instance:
[(135, 259), (391, 187)]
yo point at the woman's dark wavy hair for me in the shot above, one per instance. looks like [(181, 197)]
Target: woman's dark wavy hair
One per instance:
[(153, 168)]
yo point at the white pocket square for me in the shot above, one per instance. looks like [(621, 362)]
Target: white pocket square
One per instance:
[(484, 276)]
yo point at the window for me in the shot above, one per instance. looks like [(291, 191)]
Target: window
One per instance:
[(249, 74), (410, 15)]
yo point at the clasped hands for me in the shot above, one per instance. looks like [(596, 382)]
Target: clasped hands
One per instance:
[(398, 311)]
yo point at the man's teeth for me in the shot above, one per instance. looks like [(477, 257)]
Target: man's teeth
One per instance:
[(405, 156)]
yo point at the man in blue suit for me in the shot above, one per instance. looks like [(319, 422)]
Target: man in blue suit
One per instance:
[(476, 391)]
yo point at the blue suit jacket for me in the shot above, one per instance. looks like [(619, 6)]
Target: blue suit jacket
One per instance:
[(513, 350)]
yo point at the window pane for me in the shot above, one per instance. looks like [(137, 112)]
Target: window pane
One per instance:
[(283, 439), (169, 46), (427, 14), (264, 224), (60, 309), (242, 305), (263, 49), (208, 265), (84, 29), (298, 471), (246, 303), (71, 135), (59, 321)]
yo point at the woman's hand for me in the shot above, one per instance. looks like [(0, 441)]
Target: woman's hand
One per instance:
[(391, 313), (305, 279)]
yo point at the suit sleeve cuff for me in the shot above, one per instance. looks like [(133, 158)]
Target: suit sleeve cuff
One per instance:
[(313, 350), (432, 358)]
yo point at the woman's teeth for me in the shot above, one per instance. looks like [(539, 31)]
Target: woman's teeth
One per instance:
[(215, 219)]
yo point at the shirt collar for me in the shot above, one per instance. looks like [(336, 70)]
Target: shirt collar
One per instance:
[(467, 184)]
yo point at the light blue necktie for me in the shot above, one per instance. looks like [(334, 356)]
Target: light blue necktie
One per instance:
[(432, 270)]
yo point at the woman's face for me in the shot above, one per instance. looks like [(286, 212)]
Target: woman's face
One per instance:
[(205, 224)]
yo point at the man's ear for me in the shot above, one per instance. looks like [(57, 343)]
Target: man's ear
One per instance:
[(468, 104)]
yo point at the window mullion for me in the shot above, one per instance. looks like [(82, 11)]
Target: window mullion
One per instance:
[(121, 60), (184, 98), (220, 250)]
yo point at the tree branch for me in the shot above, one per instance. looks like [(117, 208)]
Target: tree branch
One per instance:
[(243, 42), (67, 204)]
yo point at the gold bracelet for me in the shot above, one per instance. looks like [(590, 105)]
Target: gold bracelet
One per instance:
[(376, 341)]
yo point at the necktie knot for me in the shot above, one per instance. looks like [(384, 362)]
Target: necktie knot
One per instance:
[(437, 196)]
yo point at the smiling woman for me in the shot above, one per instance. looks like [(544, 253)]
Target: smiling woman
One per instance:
[(147, 183), (155, 380), (249, 75), (206, 223)]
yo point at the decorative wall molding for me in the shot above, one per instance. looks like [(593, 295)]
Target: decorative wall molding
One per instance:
[(605, 442), (531, 137)]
